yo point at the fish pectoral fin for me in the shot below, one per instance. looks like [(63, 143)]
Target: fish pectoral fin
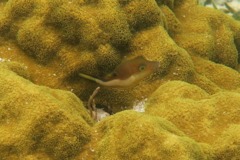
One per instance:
[(110, 76)]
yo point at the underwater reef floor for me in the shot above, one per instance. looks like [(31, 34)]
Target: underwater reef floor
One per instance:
[(191, 103)]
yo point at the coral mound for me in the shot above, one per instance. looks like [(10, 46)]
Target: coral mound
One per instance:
[(192, 100), (203, 117), (146, 137), (32, 118), (61, 38)]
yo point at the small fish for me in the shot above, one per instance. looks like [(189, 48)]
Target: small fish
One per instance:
[(128, 73)]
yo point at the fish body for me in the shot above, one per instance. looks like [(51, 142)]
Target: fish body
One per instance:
[(128, 73)]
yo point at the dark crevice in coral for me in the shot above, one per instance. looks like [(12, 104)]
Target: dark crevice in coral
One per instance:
[(123, 48), (72, 40), (237, 44), (65, 34), (124, 2), (5, 24), (169, 3)]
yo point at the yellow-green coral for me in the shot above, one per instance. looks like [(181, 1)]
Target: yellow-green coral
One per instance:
[(227, 146), (222, 76), (199, 115), (55, 40), (132, 135), (211, 34), (67, 37), (42, 44), (143, 14), (33, 117)]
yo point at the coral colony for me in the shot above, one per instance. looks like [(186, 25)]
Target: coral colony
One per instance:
[(168, 72)]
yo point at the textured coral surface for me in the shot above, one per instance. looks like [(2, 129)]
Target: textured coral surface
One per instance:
[(192, 100), (205, 118), (33, 118)]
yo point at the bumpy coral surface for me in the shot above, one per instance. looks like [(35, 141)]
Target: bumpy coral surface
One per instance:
[(203, 117), (146, 137), (33, 118), (62, 38), (48, 43)]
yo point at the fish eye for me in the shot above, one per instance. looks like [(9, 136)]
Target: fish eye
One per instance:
[(142, 67)]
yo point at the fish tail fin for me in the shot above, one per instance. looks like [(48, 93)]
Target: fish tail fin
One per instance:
[(87, 77), (90, 78)]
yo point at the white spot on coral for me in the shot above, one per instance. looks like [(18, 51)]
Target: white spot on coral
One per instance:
[(139, 106), (175, 73), (2, 60), (101, 114), (91, 149)]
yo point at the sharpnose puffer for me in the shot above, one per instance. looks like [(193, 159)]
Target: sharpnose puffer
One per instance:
[(128, 73)]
